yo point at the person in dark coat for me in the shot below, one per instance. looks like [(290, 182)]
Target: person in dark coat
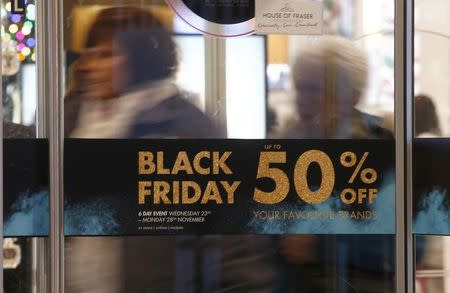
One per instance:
[(123, 87)]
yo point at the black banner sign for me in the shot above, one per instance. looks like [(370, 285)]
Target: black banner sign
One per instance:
[(150, 187), (25, 188), (431, 166), (153, 187)]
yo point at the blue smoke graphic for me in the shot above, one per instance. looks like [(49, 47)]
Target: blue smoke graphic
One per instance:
[(90, 219), (384, 223), (30, 217), (434, 214)]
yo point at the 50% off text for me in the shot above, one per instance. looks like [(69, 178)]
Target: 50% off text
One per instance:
[(349, 195)]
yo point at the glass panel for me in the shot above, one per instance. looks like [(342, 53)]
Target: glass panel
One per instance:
[(431, 145), (432, 69), (432, 263), (336, 86), (343, 263), (19, 71), (25, 156)]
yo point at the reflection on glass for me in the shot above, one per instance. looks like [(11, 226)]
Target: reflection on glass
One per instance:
[(19, 84), (432, 264), (432, 59), (191, 68), (113, 55), (123, 84), (246, 101), (426, 122), (18, 71), (432, 117), (330, 77)]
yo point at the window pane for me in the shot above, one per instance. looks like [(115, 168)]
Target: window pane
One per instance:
[(25, 166), (431, 145), (248, 87)]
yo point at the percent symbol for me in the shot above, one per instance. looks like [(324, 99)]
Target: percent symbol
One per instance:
[(367, 175)]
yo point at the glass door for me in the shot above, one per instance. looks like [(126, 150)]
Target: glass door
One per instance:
[(430, 152), (223, 146), (25, 171)]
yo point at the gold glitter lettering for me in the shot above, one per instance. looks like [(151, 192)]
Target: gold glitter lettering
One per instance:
[(176, 192), (160, 164), (219, 163), (372, 195), (345, 199), (212, 193), (281, 180), (182, 164), (362, 194), (161, 189), (301, 180), (143, 191), (197, 160), (186, 197), (146, 165), (230, 189)]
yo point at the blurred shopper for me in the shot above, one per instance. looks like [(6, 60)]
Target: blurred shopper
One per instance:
[(123, 87), (425, 117), (330, 77), (125, 81)]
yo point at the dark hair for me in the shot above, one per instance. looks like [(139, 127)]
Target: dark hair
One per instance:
[(426, 119), (148, 45)]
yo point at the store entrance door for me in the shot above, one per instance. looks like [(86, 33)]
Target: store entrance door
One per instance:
[(189, 153)]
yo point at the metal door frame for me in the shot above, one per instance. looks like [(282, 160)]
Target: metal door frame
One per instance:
[(1, 173), (404, 52)]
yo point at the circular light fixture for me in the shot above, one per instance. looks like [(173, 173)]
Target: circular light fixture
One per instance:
[(217, 17)]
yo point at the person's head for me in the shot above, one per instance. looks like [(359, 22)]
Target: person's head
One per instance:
[(426, 119), (126, 47), (330, 76)]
